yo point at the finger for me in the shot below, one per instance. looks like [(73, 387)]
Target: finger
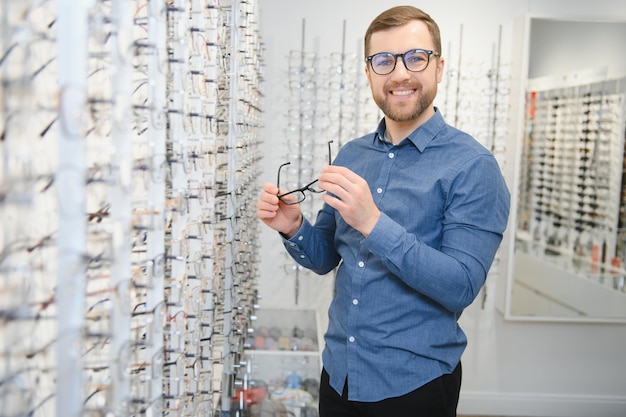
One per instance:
[(338, 190), (265, 214), (269, 198), (269, 193), (289, 198), (342, 171), (343, 177), (334, 202), (266, 203), (336, 184), (270, 188)]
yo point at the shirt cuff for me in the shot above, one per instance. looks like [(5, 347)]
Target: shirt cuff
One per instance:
[(385, 235), (299, 233)]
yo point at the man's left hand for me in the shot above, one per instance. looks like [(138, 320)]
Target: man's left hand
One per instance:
[(350, 195)]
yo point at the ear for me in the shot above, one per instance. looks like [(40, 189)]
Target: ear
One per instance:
[(440, 65), (368, 74)]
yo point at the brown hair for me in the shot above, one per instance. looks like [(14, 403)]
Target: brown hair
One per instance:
[(398, 16)]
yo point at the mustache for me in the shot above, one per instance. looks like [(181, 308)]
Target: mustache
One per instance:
[(410, 85)]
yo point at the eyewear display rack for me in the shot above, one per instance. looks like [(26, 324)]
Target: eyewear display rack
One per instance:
[(301, 134), (474, 96), (348, 109), (571, 188), (328, 100), (128, 162)]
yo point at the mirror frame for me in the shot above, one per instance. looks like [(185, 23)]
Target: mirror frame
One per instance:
[(520, 48)]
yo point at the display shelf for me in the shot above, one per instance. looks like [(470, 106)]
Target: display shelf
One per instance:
[(281, 370), (582, 294), (286, 330)]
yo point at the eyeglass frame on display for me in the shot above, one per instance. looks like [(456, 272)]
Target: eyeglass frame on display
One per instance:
[(300, 190)]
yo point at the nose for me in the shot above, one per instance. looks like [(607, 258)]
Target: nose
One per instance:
[(400, 70)]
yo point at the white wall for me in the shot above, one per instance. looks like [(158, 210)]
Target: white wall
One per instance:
[(560, 46), (510, 368)]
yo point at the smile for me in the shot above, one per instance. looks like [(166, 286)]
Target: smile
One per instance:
[(402, 92)]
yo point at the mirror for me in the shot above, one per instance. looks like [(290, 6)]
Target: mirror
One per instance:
[(567, 248)]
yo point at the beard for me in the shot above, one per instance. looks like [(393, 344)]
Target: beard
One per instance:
[(407, 112)]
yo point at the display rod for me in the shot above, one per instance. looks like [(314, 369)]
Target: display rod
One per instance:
[(72, 35), (176, 284), (230, 355), (121, 202), (458, 78), (155, 298), (496, 87)]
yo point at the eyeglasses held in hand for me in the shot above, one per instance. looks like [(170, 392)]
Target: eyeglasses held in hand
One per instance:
[(415, 60), (297, 196)]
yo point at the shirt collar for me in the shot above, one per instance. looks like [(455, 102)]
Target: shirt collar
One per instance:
[(421, 136)]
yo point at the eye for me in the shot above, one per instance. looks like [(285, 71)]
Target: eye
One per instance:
[(383, 60), (415, 57)]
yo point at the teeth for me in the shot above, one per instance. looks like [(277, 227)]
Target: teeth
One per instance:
[(403, 92)]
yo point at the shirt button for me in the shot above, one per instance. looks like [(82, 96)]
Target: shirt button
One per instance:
[(302, 256), (351, 339), (379, 190), (300, 238), (355, 301), (361, 264), (391, 155), (293, 245)]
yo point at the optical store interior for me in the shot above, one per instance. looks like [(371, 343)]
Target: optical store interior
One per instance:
[(135, 277)]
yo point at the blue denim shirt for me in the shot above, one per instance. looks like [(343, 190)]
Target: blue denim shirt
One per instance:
[(400, 291)]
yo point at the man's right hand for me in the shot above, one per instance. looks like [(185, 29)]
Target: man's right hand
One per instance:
[(283, 218)]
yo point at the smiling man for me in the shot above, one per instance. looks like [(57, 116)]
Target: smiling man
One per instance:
[(414, 213)]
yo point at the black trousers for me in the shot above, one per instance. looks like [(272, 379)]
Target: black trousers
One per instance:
[(438, 398)]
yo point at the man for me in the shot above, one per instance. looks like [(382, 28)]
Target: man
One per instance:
[(414, 213)]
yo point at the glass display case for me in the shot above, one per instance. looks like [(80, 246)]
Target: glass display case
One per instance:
[(284, 361)]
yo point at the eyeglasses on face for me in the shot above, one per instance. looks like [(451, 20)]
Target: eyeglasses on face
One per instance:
[(297, 196), (415, 60)]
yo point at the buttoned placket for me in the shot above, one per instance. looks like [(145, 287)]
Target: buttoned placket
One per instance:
[(352, 328), (355, 298)]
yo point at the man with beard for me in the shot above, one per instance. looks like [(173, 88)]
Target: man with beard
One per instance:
[(414, 213)]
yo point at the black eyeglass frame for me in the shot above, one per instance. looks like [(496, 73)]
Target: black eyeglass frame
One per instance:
[(300, 190), (428, 52)]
